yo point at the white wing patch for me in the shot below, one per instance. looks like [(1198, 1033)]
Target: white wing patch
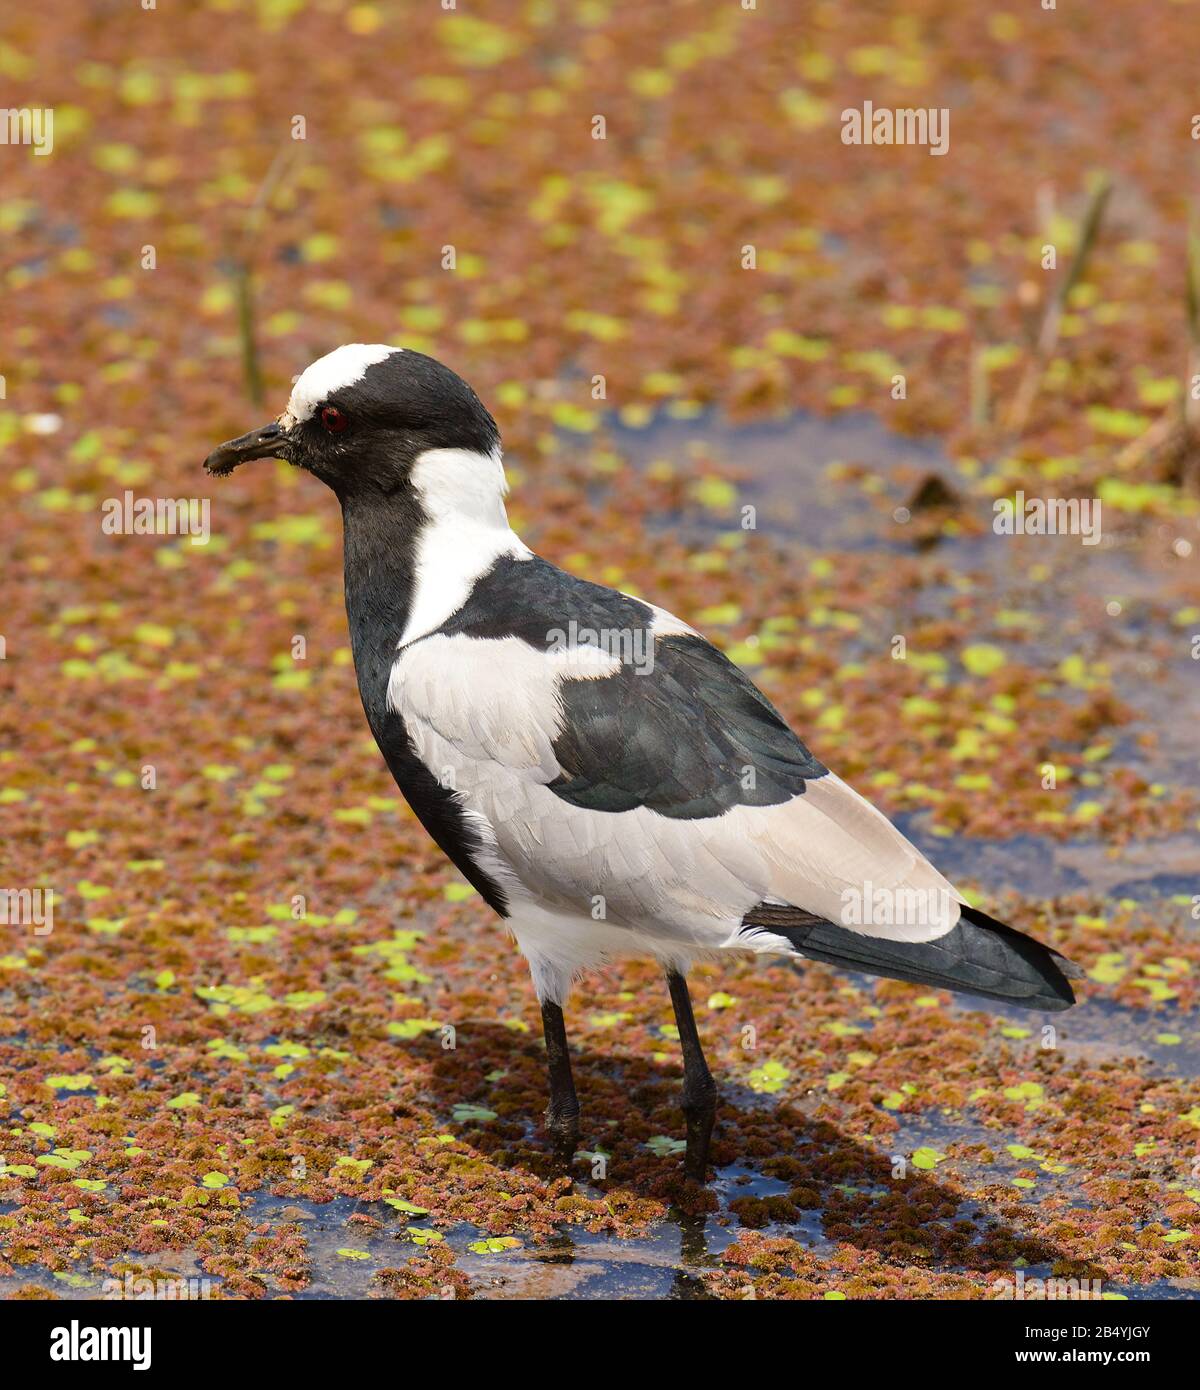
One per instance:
[(664, 624), (469, 702)]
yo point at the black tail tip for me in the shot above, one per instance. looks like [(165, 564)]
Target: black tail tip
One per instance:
[(979, 956), (1043, 972)]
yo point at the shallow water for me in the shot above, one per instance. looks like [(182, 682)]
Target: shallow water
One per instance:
[(785, 466)]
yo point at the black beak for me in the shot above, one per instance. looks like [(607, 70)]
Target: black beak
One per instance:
[(268, 441)]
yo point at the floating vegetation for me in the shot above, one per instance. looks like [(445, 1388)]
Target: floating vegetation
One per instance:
[(272, 1037)]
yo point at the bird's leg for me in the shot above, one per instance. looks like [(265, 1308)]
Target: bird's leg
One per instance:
[(699, 1089), (562, 1117)]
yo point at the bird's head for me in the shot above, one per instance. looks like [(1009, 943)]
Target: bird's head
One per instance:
[(362, 416)]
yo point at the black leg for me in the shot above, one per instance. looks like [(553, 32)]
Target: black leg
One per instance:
[(699, 1089), (562, 1117)]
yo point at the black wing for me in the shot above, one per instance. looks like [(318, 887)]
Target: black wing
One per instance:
[(677, 727)]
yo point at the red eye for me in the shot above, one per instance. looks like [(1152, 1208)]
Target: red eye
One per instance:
[(333, 419)]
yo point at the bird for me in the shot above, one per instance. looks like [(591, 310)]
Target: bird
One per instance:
[(606, 778)]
